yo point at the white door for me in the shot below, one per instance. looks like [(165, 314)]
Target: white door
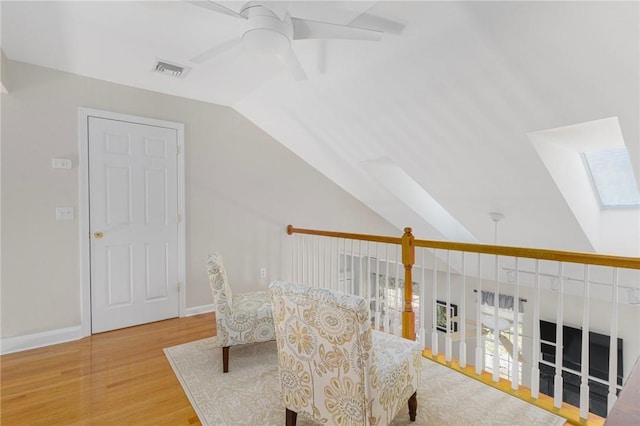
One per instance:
[(133, 214)]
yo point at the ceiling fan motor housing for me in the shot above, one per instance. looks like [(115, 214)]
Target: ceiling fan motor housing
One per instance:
[(264, 32)]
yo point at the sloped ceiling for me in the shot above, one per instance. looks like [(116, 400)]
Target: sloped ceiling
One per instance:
[(447, 98)]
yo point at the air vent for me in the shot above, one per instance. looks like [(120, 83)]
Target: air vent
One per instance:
[(172, 70)]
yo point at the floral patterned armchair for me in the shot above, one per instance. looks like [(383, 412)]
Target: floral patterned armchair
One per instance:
[(333, 366), (240, 318)]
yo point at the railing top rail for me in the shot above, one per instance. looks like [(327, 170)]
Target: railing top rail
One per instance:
[(347, 235), (532, 253)]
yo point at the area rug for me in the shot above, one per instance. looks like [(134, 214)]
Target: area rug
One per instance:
[(249, 394)]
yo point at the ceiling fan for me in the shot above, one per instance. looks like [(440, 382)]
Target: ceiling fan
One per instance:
[(503, 324), (270, 29)]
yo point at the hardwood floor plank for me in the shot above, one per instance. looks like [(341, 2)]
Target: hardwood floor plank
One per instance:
[(117, 377)]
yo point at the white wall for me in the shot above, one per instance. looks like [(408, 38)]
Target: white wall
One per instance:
[(242, 189)]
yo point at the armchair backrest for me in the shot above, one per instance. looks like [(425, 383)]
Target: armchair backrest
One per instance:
[(222, 296), (325, 352)]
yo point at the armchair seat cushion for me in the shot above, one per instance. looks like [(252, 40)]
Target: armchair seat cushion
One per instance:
[(395, 361), (252, 315), (240, 318)]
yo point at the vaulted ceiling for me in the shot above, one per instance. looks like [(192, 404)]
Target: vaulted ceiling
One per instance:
[(432, 126)]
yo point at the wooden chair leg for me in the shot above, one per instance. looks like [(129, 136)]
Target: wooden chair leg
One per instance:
[(225, 359), (291, 417), (413, 406)]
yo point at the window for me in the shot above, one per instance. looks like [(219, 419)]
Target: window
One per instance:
[(612, 177)]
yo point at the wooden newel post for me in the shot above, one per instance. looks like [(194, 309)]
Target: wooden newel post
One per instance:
[(408, 259)]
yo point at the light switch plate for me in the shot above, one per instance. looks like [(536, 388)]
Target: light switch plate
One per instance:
[(64, 213), (61, 163)]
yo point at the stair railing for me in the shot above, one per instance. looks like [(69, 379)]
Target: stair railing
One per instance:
[(429, 298)]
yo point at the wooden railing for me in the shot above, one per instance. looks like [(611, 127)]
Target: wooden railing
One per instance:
[(348, 261)]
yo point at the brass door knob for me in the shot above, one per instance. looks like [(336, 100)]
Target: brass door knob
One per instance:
[(98, 235)]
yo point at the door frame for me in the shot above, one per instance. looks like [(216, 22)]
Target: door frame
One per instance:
[(83, 206)]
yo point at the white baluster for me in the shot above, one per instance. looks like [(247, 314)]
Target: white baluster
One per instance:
[(309, 260), (463, 317), (294, 256), (304, 259), (312, 261), (385, 295), (311, 278), (496, 217), (377, 284), (318, 261), (612, 397), (422, 310), (325, 264), (331, 257), (557, 380), (343, 287), (301, 251), (584, 360), (310, 240), (352, 278), (396, 310), (434, 298), (338, 263), (535, 355), (448, 343), (360, 261), (496, 326), (515, 358), (300, 263), (367, 271), (479, 338)]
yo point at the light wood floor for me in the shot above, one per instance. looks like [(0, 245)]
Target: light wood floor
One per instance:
[(119, 377), (114, 378)]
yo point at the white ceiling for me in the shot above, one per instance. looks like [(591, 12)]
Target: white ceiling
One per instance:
[(447, 98)]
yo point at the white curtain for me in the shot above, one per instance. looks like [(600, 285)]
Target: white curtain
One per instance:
[(504, 302)]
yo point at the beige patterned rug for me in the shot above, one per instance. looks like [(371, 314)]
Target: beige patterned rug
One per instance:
[(249, 393)]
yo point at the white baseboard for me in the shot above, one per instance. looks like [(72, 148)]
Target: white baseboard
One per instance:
[(37, 340), (52, 337), (197, 310)]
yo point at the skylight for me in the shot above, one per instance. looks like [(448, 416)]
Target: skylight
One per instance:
[(613, 178)]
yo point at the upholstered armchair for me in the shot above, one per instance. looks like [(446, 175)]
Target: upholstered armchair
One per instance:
[(240, 318), (333, 366)]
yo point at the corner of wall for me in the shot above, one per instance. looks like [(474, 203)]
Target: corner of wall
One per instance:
[(3, 74)]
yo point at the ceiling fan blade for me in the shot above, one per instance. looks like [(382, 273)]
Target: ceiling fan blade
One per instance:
[(216, 7), (291, 60), (504, 341), (217, 50), (306, 29), (279, 8), (369, 20)]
